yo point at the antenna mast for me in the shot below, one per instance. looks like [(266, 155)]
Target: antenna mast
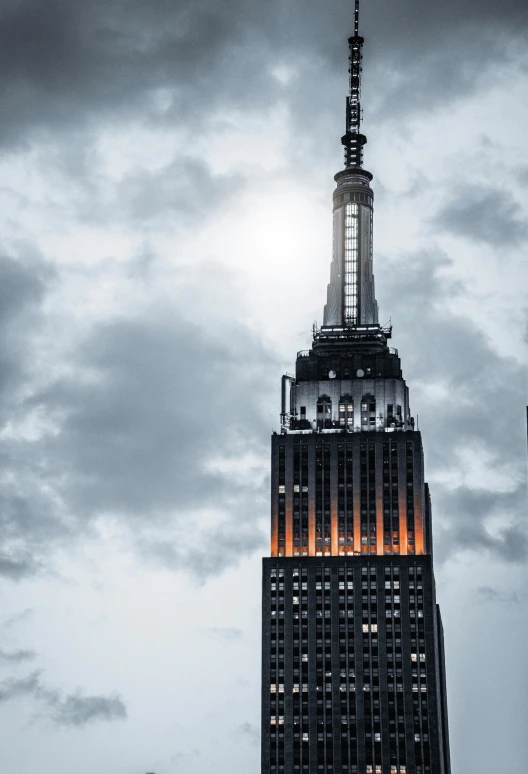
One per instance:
[(353, 140)]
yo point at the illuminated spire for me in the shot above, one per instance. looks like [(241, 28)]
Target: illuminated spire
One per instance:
[(353, 140), (351, 301)]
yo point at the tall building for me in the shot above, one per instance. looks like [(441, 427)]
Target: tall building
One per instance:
[(353, 674)]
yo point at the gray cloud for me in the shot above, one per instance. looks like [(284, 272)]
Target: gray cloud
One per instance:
[(223, 633), (484, 406), (250, 732), (13, 620), (77, 710), (74, 710), (16, 656), (16, 565), (490, 594), (137, 435), (483, 215), (24, 280), (138, 439)]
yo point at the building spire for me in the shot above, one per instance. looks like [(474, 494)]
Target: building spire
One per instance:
[(353, 140)]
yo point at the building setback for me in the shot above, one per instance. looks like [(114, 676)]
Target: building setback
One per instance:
[(353, 677)]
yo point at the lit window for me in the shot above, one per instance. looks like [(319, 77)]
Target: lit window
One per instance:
[(296, 487), (377, 738), (304, 657), (281, 687), (305, 736), (413, 657), (281, 720), (422, 656), (273, 688), (282, 489)]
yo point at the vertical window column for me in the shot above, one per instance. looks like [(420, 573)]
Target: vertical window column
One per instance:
[(409, 466), (304, 500), (282, 502), (351, 267), (394, 490), (296, 533)]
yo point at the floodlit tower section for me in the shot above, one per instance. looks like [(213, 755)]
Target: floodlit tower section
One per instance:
[(351, 298)]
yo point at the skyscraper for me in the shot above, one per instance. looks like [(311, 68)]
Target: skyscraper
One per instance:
[(353, 674)]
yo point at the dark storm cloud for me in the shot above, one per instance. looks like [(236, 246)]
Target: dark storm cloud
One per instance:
[(483, 215), (74, 710), (483, 410), (66, 64)]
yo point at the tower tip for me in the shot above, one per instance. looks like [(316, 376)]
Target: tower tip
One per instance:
[(353, 140)]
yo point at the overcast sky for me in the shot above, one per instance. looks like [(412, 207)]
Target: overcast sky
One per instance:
[(166, 174)]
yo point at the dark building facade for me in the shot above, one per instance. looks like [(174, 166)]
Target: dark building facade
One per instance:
[(353, 674)]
